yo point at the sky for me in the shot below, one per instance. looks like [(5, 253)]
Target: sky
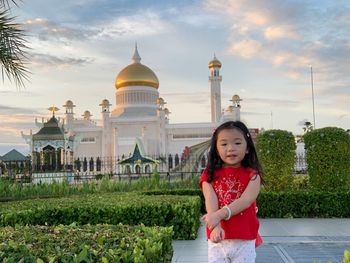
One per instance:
[(266, 47)]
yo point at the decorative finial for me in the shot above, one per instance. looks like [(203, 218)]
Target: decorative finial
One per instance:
[(53, 109), (136, 57)]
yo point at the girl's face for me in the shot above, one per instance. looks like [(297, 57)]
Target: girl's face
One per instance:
[(231, 147)]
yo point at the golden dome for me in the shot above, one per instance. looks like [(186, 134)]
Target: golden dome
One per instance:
[(69, 103), (136, 74), (105, 102), (236, 98), (214, 63)]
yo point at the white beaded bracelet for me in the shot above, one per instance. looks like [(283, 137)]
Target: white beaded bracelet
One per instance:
[(229, 212)]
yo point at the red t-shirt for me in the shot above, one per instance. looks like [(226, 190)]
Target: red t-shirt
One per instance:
[(229, 184)]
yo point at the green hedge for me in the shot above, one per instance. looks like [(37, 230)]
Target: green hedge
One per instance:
[(276, 152), (298, 204), (191, 192), (181, 212), (99, 243), (304, 204), (328, 158)]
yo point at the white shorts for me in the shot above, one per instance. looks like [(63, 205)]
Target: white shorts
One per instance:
[(231, 251)]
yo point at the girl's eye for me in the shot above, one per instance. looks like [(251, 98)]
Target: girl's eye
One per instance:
[(238, 143), (223, 144)]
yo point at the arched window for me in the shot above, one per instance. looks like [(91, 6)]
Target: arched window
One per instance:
[(85, 165), (147, 169), (91, 164), (177, 160), (170, 161), (78, 164), (98, 164), (127, 169), (138, 169)]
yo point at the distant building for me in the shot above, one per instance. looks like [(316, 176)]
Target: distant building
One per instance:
[(12, 162), (138, 119)]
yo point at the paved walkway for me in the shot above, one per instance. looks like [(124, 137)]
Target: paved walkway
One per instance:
[(285, 240)]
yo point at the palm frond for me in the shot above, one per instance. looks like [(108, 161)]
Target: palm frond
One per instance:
[(12, 50), (5, 4)]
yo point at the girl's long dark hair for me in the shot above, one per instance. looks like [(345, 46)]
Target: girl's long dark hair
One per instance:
[(250, 159)]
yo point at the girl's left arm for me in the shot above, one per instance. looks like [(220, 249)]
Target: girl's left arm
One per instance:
[(247, 198)]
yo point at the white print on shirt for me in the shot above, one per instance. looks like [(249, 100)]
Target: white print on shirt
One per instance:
[(227, 189)]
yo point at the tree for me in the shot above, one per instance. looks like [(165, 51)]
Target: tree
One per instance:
[(12, 47), (307, 127)]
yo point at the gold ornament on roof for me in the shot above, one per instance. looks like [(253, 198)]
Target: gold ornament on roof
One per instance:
[(53, 109)]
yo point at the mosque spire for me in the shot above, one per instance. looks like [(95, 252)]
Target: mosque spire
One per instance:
[(136, 57)]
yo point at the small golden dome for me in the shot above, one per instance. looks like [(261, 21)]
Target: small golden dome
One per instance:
[(105, 102), (214, 63), (166, 111), (69, 104), (236, 98), (86, 114), (136, 74)]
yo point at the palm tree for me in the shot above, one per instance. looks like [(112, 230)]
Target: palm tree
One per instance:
[(307, 127), (12, 47)]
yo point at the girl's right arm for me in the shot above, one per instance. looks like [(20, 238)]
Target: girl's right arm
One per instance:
[(211, 200), (212, 205)]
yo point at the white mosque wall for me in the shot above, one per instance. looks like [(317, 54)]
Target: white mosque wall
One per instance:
[(128, 131), (88, 144)]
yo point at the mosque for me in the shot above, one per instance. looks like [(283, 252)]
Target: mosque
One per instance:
[(134, 133)]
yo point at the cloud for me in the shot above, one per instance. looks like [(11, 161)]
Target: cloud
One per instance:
[(47, 60), (277, 32), (14, 111), (290, 35), (46, 30), (144, 23), (256, 17), (246, 48)]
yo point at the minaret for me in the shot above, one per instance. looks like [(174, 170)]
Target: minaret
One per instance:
[(215, 89), (106, 129), (163, 117), (69, 113), (236, 103)]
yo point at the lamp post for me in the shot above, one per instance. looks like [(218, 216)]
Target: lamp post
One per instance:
[(313, 100)]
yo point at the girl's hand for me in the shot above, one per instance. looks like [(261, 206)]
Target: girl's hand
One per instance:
[(217, 234), (211, 220)]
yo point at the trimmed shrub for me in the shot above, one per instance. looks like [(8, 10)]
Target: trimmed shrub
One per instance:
[(302, 204), (276, 152), (100, 243), (297, 204), (328, 158), (181, 212)]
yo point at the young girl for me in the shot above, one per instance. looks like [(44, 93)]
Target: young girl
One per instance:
[(231, 183)]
